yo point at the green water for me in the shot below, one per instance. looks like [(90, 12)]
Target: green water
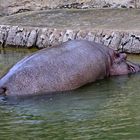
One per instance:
[(106, 110)]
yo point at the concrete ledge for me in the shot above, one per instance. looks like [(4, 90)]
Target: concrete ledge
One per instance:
[(43, 37)]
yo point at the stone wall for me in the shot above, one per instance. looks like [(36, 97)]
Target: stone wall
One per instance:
[(8, 7), (45, 37)]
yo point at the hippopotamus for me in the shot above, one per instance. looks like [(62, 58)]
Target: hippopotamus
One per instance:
[(64, 67)]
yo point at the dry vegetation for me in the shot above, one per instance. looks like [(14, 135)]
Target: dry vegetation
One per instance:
[(122, 19)]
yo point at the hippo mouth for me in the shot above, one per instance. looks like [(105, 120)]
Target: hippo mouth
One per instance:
[(133, 68)]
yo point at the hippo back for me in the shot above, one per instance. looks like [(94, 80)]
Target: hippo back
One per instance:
[(64, 67)]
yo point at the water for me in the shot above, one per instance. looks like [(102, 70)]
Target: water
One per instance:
[(107, 109)]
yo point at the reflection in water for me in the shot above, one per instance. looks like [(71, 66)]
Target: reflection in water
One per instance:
[(107, 109), (10, 56)]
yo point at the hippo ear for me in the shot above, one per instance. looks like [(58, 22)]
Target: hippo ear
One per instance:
[(119, 50), (116, 55)]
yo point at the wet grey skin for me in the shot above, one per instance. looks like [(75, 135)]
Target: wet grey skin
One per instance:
[(65, 67)]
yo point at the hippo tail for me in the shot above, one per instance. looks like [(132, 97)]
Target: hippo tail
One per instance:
[(2, 91), (2, 88)]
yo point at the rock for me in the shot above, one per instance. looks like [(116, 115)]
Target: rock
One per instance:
[(106, 38), (82, 34), (3, 34), (86, 35), (98, 36), (56, 37), (131, 42), (126, 42), (11, 35), (69, 35), (18, 36), (116, 40), (91, 36), (32, 38), (43, 38), (133, 45)]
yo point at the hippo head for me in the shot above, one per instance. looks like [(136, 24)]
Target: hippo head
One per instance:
[(121, 66)]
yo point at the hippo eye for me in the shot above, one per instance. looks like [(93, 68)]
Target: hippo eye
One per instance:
[(117, 54)]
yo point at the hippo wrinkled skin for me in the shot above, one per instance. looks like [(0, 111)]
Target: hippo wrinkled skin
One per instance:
[(67, 66)]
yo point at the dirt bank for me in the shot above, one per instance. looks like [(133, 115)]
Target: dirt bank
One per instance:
[(119, 29)]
